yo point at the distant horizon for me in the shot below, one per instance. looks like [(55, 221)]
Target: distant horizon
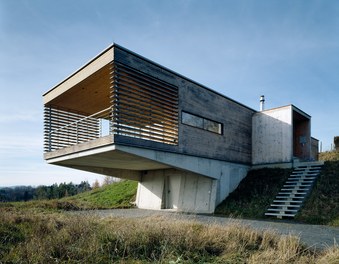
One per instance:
[(34, 186)]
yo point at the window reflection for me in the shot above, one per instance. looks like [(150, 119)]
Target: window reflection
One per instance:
[(192, 120), (200, 122)]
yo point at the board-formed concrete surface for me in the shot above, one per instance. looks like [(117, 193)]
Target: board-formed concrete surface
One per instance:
[(315, 236)]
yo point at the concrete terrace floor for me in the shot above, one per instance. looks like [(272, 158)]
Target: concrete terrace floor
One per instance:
[(314, 236)]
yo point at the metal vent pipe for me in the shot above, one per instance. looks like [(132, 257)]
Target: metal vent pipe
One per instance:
[(262, 103)]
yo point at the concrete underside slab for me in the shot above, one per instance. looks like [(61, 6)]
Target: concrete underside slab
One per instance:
[(188, 178), (110, 159), (114, 156)]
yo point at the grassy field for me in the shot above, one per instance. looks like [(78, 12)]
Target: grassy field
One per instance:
[(47, 237)]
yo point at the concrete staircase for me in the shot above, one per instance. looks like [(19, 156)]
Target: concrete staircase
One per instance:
[(295, 190)]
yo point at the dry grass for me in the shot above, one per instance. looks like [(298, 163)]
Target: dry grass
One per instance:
[(65, 238), (329, 156)]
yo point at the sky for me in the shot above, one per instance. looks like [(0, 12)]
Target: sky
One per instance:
[(286, 50)]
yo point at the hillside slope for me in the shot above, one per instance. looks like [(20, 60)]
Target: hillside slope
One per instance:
[(254, 194), (322, 207), (258, 189), (117, 195)]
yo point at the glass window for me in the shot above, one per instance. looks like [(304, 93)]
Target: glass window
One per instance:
[(192, 120), (200, 122), (212, 126)]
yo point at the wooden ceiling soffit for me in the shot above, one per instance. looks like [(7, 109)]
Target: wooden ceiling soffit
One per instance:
[(89, 96), (95, 65)]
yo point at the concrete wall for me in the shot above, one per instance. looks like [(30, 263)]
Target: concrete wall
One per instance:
[(272, 136), (177, 190), (150, 190), (231, 176), (233, 145), (187, 191)]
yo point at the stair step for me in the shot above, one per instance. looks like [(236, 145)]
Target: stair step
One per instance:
[(278, 214), (293, 189), (301, 186), (282, 210), (307, 176), (282, 201), (291, 196), (290, 205), (296, 188), (293, 192), (297, 185), (297, 182), (297, 191), (301, 179)]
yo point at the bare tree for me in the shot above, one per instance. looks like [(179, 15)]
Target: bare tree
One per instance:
[(109, 180), (96, 184)]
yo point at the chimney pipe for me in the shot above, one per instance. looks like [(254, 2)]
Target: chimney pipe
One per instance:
[(262, 103)]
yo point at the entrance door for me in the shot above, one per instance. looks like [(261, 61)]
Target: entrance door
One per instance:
[(171, 191), (166, 196), (301, 136)]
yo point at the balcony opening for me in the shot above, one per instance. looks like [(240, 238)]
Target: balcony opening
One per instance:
[(114, 100)]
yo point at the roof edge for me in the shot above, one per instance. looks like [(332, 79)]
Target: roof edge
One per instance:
[(289, 105), (81, 68), (181, 76)]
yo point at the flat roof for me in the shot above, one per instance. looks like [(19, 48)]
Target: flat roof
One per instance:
[(298, 110), (149, 61)]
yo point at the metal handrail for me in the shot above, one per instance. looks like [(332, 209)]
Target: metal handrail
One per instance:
[(80, 120)]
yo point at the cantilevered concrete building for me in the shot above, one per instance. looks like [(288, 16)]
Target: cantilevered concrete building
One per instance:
[(188, 146)]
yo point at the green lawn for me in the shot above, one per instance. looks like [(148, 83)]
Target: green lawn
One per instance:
[(117, 195)]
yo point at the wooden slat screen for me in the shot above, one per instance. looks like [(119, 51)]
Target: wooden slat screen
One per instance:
[(143, 106), (64, 128)]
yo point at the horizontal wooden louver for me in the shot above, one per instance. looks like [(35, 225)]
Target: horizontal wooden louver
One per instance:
[(143, 106), (63, 128)]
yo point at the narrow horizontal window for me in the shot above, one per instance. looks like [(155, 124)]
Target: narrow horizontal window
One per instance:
[(192, 120), (200, 122)]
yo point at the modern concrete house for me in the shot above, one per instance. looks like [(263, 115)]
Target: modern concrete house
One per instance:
[(187, 146)]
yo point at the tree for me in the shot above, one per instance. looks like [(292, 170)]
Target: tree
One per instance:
[(336, 143), (109, 180), (96, 184)]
